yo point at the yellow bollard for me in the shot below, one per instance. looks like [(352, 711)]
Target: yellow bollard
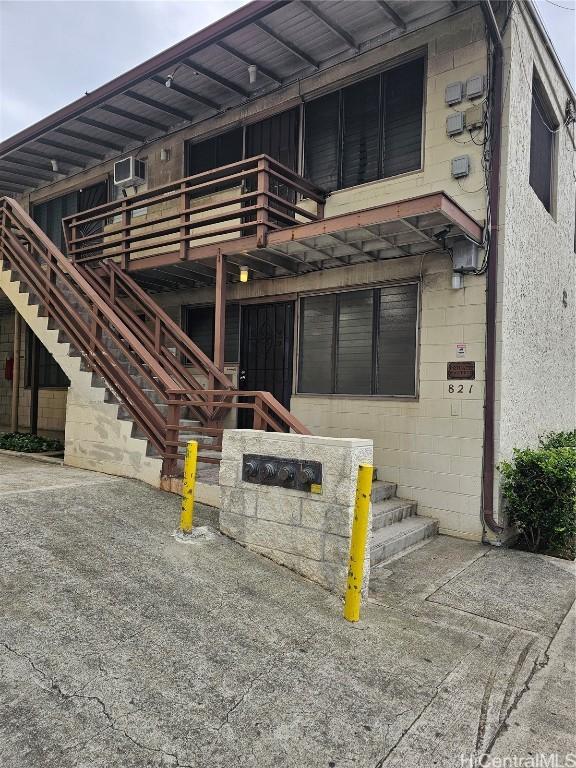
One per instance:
[(188, 487), (358, 543)]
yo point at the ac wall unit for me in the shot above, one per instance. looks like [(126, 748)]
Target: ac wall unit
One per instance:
[(129, 172)]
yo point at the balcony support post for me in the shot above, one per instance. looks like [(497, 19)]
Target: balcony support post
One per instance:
[(220, 312), (262, 202)]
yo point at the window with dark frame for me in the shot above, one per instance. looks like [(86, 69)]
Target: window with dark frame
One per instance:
[(50, 375), (369, 130), (198, 324), (542, 144), (360, 342)]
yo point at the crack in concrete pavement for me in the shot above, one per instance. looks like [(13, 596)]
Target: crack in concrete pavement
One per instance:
[(435, 694), (111, 724)]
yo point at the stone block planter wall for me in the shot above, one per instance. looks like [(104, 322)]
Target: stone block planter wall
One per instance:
[(308, 533)]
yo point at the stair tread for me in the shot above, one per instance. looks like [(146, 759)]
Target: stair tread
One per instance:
[(397, 530), (388, 505)]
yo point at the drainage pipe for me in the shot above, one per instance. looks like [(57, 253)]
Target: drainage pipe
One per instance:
[(492, 274)]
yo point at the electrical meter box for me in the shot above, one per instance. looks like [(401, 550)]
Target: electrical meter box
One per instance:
[(460, 166), (455, 123), (453, 93)]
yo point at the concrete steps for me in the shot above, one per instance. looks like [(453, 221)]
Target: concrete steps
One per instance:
[(395, 524)]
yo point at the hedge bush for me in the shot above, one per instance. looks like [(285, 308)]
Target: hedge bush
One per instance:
[(558, 440), (539, 486), (26, 443)]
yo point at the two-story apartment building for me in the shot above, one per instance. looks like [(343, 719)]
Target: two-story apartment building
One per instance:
[(364, 209)]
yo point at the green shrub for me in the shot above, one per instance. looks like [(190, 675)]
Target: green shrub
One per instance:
[(558, 440), (21, 441), (540, 491)]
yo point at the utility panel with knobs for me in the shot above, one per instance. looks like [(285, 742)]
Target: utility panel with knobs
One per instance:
[(297, 474)]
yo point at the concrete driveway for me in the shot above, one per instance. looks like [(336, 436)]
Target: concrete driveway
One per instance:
[(122, 648)]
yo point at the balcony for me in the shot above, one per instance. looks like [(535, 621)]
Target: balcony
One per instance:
[(258, 214), (196, 217)]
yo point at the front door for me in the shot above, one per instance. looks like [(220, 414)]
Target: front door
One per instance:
[(266, 348)]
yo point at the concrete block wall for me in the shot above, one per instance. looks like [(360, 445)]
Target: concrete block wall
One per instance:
[(51, 402), (308, 533)]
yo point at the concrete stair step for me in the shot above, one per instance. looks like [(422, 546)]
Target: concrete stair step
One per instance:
[(390, 511), (392, 539), (381, 490)]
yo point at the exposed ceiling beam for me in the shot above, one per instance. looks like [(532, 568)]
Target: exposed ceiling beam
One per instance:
[(37, 175), (287, 44), (52, 156), (281, 260), (245, 260), (392, 15), (135, 118), (89, 139), (177, 88), (249, 61), (415, 228), (110, 128), (332, 26), (14, 185), (19, 161), (70, 150), (160, 106), (223, 81)]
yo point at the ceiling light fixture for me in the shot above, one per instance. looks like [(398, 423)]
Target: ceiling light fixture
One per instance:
[(252, 73), (55, 166), (243, 274), (169, 80)]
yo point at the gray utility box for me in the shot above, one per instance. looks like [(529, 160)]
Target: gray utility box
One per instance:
[(297, 474), (455, 123)]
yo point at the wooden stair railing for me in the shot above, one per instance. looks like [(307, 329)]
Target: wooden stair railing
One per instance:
[(98, 313)]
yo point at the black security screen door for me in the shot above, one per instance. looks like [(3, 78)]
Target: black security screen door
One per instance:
[(266, 346)]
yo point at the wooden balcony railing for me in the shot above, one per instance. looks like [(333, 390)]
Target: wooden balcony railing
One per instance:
[(248, 198)]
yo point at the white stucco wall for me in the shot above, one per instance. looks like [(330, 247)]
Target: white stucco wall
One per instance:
[(536, 333)]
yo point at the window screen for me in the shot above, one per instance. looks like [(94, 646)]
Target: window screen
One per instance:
[(359, 342), (215, 152), (397, 339), (361, 132), (50, 375), (402, 104), (322, 141), (367, 131), (317, 335), (198, 324), (542, 129)]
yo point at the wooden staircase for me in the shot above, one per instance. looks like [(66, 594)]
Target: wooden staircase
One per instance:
[(144, 361)]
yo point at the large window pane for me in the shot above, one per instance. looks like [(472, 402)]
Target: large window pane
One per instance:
[(315, 371), (361, 132), (354, 344), (403, 101), (322, 141), (541, 145), (397, 339)]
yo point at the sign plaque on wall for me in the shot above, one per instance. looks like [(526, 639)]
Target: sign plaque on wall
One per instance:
[(461, 369)]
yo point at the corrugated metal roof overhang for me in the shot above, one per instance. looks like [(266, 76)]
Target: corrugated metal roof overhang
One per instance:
[(285, 40)]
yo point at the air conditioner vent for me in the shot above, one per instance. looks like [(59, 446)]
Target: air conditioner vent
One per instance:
[(129, 172)]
